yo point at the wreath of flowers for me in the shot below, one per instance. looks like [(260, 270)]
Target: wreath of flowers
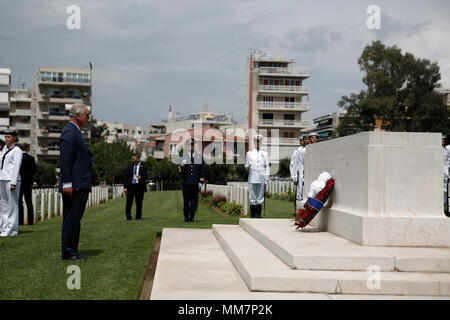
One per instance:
[(313, 205)]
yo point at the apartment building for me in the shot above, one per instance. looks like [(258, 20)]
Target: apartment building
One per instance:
[(54, 91), (326, 125), (133, 135), (276, 101), (5, 84), (20, 114), (160, 145), (446, 93)]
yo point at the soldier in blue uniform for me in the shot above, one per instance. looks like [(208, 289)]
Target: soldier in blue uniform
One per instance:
[(192, 170)]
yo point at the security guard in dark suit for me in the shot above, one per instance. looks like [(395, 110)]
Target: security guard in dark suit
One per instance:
[(192, 170)]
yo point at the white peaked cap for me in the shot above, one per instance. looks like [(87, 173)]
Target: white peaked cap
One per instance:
[(257, 137)]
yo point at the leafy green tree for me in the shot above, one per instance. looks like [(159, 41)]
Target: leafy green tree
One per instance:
[(162, 170), (400, 94), (283, 170), (45, 175), (111, 160), (97, 133)]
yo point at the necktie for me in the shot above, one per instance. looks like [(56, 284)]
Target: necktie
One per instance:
[(135, 173)]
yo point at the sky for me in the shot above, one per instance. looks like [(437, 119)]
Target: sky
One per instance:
[(191, 54)]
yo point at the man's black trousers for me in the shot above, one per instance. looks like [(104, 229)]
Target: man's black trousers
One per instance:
[(133, 192), (190, 197), (73, 210), (25, 192)]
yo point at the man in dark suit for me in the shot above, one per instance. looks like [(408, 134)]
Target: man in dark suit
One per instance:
[(75, 179), (192, 170), (135, 185), (27, 170)]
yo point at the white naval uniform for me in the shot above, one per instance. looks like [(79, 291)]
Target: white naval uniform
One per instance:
[(258, 161), (9, 200), (446, 174), (296, 169)]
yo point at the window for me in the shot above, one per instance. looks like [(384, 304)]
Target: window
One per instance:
[(173, 148), (267, 116), (289, 102), (289, 116), (45, 76)]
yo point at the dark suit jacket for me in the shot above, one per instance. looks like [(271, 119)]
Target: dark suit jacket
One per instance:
[(192, 173), (142, 182), (27, 169), (75, 159)]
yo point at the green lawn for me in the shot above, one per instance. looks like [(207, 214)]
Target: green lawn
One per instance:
[(118, 250)]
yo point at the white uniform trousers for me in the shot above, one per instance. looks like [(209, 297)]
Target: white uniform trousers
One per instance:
[(256, 193), (9, 209)]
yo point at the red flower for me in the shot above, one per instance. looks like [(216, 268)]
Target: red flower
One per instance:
[(305, 215)]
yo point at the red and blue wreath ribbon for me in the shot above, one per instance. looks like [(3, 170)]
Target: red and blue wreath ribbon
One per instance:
[(313, 205)]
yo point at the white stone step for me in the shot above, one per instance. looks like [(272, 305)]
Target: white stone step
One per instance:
[(263, 271), (193, 266), (309, 249)]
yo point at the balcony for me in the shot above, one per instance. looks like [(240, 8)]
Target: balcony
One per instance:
[(283, 72), (21, 126), (20, 99), (21, 113), (64, 99), (62, 115), (283, 106), (49, 132), (48, 150), (283, 89), (25, 140), (282, 123), (4, 122), (4, 99)]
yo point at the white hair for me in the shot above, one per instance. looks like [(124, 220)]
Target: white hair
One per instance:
[(76, 109)]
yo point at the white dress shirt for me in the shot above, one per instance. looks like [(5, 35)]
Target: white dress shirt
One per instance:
[(136, 173)]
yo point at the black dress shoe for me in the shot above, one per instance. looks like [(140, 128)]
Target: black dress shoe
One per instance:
[(77, 257)]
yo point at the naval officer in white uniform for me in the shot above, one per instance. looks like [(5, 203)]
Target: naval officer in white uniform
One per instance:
[(257, 161), (296, 168), (11, 159)]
